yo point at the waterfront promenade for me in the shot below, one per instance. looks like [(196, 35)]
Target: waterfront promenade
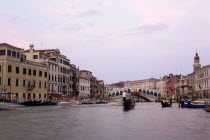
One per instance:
[(148, 121)]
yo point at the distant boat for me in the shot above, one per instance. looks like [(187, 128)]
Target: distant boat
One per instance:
[(194, 104), (166, 102), (101, 102), (207, 106), (8, 105), (116, 102), (198, 104), (64, 101), (38, 103)]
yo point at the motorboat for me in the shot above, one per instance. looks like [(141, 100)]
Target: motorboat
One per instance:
[(192, 104), (197, 104), (64, 101), (207, 106), (8, 105), (116, 102), (166, 102), (101, 102)]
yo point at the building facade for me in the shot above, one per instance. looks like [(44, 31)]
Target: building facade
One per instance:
[(202, 82), (63, 76), (84, 87), (146, 83), (21, 80)]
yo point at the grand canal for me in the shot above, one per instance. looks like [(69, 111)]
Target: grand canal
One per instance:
[(148, 121)]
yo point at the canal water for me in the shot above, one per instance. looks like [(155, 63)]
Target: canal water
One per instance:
[(148, 121)]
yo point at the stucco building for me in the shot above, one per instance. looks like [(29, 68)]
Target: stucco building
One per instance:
[(84, 87), (21, 79), (62, 77)]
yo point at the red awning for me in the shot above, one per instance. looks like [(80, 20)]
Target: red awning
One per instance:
[(135, 93), (54, 95)]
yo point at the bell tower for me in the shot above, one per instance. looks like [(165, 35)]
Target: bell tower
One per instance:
[(196, 64)]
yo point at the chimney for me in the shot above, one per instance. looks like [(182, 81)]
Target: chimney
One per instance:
[(31, 46)]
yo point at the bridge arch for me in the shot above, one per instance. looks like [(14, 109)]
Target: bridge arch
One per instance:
[(148, 92), (117, 94), (151, 93), (113, 94), (121, 92), (155, 94), (144, 91), (129, 90), (159, 95)]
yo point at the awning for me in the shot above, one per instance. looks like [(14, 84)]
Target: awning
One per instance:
[(135, 93), (54, 95)]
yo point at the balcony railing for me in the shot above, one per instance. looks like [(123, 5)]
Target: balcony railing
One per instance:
[(29, 87)]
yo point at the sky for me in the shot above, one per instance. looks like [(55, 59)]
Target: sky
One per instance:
[(118, 40)]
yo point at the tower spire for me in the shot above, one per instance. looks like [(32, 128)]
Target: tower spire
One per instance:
[(197, 64)]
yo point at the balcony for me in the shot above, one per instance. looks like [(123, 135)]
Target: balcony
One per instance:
[(29, 87)]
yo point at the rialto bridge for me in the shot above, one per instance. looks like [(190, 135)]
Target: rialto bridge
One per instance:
[(149, 95)]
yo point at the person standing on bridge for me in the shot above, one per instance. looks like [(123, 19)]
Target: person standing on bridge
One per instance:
[(124, 96)]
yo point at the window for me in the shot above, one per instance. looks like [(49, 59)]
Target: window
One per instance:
[(0, 80), (17, 69), (24, 95), (45, 74), (34, 95), (34, 72), (13, 54), (0, 68), (17, 82), (34, 84), (18, 55), (29, 71), (24, 70), (45, 85), (9, 68), (35, 56), (45, 95), (9, 53), (40, 73), (9, 81), (24, 82), (40, 84), (2, 52), (40, 96)]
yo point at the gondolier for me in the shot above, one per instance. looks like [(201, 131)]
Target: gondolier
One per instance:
[(124, 96)]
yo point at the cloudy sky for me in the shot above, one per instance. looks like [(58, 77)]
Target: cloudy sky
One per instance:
[(115, 39)]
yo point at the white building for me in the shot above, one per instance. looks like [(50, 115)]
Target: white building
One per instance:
[(147, 83), (202, 82), (60, 71), (84, 87)]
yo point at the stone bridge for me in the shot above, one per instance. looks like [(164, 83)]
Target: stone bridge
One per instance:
[(149, 95)]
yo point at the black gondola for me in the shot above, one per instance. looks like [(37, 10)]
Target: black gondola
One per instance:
[(129, 104), (166, 103), (38, 103)]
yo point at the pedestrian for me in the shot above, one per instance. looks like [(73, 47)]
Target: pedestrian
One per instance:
[(124, 96)]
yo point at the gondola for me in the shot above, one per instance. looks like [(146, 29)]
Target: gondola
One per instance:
[(38, 103), (166, 103), (129, 104)]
